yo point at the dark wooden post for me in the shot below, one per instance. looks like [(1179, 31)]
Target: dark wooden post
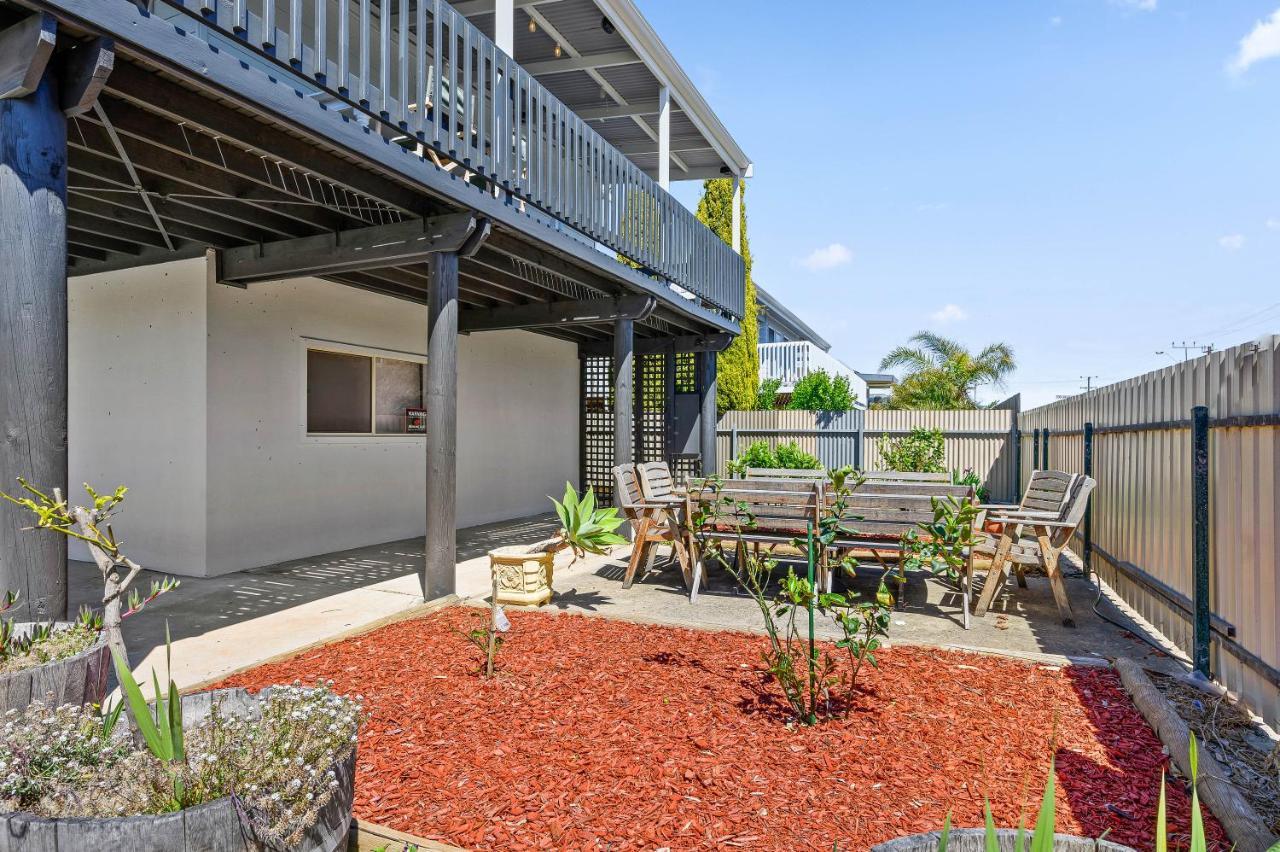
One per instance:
[(33, 327), (1200, 537), (1087, 556), (707, 415), (439, 566), (1044, 450), (623, 401)]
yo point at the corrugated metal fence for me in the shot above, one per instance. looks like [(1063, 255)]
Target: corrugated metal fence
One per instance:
[(981, 440), (1141, 529)]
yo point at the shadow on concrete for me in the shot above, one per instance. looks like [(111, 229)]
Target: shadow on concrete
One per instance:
[(201, 605)]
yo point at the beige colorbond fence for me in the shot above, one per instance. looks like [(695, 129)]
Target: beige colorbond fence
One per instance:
[(980, 440), (1141, 525)]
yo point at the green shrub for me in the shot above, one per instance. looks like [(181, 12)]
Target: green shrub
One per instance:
[(767, 397), (919, 451), (791, 457), (788, 456), (818, 391)]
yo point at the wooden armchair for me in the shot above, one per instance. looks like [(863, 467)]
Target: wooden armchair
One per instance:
[(1049, 536), (653, 522)]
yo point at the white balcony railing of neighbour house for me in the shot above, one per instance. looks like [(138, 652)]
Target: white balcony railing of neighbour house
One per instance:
[(793, 360), (471, 103)]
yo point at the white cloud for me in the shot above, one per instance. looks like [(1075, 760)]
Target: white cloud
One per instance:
[(1273, 224), (948, 314), (828, 257), (1262, 42), (1055, 21), (1140, 5), (1232, 242)]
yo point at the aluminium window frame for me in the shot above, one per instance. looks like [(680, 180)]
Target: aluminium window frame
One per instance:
[(307, 344)]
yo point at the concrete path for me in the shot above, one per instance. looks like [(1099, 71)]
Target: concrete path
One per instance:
[(224, 624)]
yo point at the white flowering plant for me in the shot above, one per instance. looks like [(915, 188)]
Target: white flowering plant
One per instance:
[(70, 762)]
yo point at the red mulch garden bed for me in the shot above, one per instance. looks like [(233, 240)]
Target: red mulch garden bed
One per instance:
[(605, 734)]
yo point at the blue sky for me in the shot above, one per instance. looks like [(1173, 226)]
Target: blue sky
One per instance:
[(1086, 180)]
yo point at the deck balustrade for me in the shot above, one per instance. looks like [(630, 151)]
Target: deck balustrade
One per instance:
[(429, 79)]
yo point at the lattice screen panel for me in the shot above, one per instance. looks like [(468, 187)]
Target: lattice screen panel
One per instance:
[(651, 408), (597, 427), (649, 426), (686, 372)]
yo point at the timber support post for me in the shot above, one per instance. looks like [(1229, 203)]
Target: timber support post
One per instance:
[(441, 401), (33, 309), (707, 412), (623, 397), (1086, 556)]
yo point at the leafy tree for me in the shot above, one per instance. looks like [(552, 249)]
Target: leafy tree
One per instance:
[(817, 391), (941, 373), (738, 367), (767, 398)]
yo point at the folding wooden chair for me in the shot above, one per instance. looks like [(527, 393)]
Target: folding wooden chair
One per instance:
[(653, 522)]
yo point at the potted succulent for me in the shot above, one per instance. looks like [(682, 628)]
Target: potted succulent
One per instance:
[(214, 770), (523, 573), (67, 662)]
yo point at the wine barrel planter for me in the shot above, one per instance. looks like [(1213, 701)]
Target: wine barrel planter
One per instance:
[(214, 826), (81, 679), (974, 840)]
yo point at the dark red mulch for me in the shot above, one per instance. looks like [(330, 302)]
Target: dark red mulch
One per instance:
[(603, 733)]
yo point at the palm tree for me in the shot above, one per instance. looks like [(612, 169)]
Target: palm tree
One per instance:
[(941, 373)]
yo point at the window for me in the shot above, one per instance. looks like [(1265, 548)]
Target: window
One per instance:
[(353, 394)]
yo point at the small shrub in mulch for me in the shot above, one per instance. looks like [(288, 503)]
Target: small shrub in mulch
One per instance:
[(605, 734)]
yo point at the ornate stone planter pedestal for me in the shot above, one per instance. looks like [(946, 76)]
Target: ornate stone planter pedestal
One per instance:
[(521, 577)]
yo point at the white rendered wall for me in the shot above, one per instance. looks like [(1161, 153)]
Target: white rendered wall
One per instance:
[(193, 395), (136, 412), (276, 494)]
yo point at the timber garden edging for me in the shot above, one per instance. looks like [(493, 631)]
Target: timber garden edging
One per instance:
[(216, 826), (79, 679)]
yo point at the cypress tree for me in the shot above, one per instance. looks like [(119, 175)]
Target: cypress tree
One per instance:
[(738, 367)]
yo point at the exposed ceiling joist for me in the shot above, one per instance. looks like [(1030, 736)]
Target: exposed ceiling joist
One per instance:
[(557, 314), (582, 62), (480, 7), (632, 149), (685, 343), (605, 85), (620, 110), (345, 251)]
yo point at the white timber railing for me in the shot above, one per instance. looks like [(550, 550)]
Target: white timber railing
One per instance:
[(793, 360), (428, 74)]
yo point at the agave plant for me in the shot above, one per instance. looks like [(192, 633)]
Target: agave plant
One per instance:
[(584, 527)]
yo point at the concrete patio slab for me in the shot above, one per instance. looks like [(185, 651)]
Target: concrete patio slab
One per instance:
[(224, 624)]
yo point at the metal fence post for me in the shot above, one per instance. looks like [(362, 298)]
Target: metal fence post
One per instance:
[(733, 443), (860, 448), (1045, 451), (1200, 534), (1087, 554), (1035, 452)]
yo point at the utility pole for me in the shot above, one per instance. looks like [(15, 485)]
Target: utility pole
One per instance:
[(1088, 383), (1186, 348)]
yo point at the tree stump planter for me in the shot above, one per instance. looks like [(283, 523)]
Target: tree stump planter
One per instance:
[(215, 826), (79, 680), (974, 840)]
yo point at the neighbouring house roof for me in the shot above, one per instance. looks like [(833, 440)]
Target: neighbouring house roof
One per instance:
[(612, 78), (781, 316), (877, 380)]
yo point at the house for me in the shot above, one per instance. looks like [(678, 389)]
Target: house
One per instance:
[(790, 349), (879, 386), (310, 276)]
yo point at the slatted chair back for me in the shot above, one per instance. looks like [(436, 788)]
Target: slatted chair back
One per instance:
[(1073, 511), (785, 473), (1048, 491), (627, 493), (904, 476), (886, 510), (779, 509), (655, 480)]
